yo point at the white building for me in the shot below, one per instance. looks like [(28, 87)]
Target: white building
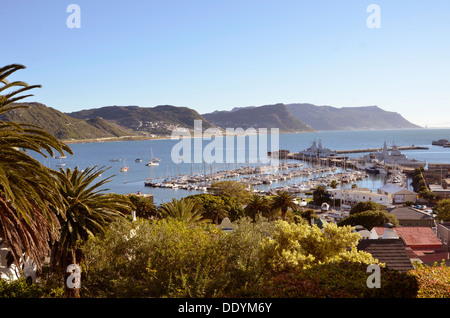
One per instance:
[(9, 270), (397, 194), (354, 196)]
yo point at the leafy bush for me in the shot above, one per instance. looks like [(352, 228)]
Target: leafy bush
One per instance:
[(365, 206), (169, 258), (19, 288), (296, 246), (434, 281), (369, 219), (333, 280)]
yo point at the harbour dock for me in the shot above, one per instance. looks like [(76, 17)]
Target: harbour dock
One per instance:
[(380, 149)]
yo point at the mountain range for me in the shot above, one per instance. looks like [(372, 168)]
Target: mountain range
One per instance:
[(143, 122)]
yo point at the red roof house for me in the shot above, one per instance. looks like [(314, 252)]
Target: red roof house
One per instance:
[(420, 241)]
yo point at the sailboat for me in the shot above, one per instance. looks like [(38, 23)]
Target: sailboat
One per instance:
[(60, 164), (153, 161)]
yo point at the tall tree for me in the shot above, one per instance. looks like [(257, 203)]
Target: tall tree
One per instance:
[(88, 211), (256, 206), (29, 203), (184, 210), (283, 201), (443, 210), (231, 188), (320, 195)]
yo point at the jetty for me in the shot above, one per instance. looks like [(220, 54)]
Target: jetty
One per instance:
[(380, 149)]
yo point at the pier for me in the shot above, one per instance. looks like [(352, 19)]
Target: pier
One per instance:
[(380, 149)]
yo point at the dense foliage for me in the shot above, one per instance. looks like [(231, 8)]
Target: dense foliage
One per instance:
[(443, 210), (434, 281), (370, 219), (333, 280)]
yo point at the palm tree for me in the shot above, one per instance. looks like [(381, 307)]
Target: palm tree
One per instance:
[(184, 210), (144, 207), (214, 211), (283, 201), (28, 200), (257, 205), (87, 212)]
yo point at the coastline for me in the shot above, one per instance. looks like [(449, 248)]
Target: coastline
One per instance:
[(163, 137), (111, 139)]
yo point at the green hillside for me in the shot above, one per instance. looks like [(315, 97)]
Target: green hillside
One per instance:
[(155, 120), (61, 125)]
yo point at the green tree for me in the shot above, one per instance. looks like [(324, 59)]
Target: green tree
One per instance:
[(320, 195), (212, 206), (443, 210), (369, 219), (162, 258), (88, 211), (283, 201), (334, 184), (307, 215), (184, 210), (230, 188), (365, 206), (297, 246), (257, 206), (144, 207), (29, 203)]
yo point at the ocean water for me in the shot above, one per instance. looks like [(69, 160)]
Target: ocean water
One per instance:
[(100, 154)]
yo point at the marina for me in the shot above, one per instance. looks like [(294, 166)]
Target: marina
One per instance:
[(324, 168), (295, 173)]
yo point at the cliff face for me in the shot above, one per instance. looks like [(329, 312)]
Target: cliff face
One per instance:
[(348, 118)]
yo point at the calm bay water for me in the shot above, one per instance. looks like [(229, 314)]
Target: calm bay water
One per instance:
[(100, 154)]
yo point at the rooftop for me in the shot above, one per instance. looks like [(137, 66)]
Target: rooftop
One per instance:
[(408, 213), (415, 236), (392, 252), (391, 188)]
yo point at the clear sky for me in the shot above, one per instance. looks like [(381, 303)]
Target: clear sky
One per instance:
[(218, 54)]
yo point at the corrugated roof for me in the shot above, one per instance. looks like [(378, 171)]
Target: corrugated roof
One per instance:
[(408, 213), (392, 252), (391, 188), (415, 236)]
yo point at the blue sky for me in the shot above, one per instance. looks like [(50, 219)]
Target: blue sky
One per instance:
[(218, 54)]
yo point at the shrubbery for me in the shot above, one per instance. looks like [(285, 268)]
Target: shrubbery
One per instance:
[(434, 280), (333, 280), (21, 289), (169, 258)]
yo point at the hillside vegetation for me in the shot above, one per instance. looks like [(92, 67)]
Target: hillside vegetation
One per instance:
[(155, 120), (61, 125)]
